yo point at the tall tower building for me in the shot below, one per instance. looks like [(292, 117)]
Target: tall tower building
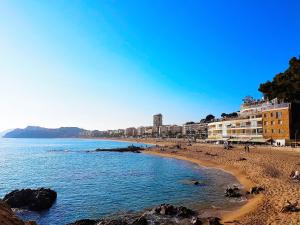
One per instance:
[(157, 122)]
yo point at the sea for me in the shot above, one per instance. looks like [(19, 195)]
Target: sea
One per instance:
[(100, 184)]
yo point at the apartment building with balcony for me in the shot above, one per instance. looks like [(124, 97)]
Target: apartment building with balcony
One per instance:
[(277, 122), (170, 131), (195, 130), (247, 126), (130, 132)]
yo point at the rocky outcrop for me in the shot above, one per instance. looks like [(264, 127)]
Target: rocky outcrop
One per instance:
[(233, 192), (131, 148), (7, 216), (166, 209), (101, 222), (34, 200), (164, 214)]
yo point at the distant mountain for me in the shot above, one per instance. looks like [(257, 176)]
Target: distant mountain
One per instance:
[(41, 132), (2, 133)]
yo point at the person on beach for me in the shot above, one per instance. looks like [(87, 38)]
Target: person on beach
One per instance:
[(247, 148)]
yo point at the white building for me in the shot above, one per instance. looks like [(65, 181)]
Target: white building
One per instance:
[(247, 127)]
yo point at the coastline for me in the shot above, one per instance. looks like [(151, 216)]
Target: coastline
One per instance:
[(229, 216), (264, 166), (242, 178)]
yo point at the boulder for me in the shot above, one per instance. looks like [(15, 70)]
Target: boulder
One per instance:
[(34, 200), (233, 192), (214, 221), (290, 207), (184, 212), (166, 209), (195, 182), (242, 159), (196, 221)]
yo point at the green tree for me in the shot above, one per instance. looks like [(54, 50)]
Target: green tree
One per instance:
[(284, 86), (209, 118)]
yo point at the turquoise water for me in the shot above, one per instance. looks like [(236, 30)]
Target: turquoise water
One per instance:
[(93, 185)]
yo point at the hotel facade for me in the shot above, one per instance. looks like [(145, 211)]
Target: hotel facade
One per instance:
[(277, 122), (257, 122), (247, 126)]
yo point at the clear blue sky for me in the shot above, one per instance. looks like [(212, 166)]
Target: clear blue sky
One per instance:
[(112, 63)]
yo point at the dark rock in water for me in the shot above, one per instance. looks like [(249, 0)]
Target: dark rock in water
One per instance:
[(166, 209), (214, 221), (233, 192), (34, 200), (195, 182), (140, 221), (84, 222), (131, 148)]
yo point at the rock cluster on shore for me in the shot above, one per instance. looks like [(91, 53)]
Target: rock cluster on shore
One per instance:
[(164, 214)]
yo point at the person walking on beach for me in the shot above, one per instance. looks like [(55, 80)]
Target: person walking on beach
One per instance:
[(247, 148)]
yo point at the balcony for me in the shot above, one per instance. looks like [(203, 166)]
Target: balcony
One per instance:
[(275, 106)]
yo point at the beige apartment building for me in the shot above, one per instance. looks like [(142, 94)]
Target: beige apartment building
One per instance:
[(170, 130), (257, 122), (277, 122), (195, 130)]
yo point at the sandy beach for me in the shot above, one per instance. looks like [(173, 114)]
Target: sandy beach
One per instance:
[(268, 167)]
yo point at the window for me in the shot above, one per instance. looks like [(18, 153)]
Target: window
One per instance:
[(278, 114), (280, 122), (272, 123), (271, 114), (279, 131), (272, 131), (265, 115), (266, 131), (266, 123)]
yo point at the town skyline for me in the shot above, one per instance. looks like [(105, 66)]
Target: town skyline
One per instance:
[(109, 64)]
